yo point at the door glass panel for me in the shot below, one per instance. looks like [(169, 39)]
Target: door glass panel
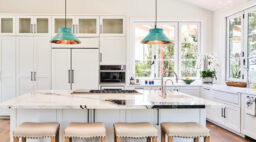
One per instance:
[(235, 47), (252, 45), (113, 26), (42, 25), (87, 26), (189, 49), (60, 23), (25, 25), (7, 25)]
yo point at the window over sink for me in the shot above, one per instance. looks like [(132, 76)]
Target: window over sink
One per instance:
[(179, 56)]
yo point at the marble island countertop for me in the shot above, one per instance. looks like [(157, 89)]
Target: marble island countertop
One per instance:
[(146, 99)]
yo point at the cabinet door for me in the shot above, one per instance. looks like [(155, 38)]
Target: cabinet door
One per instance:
[(25, 25), (7, 61), (42, 65), (215, 113), (112, 26), (7, 25), (87, 26), (61, 66), (232, 117), (113, 50), (42, 25), (25, 64), (59, 22), (85, 66)]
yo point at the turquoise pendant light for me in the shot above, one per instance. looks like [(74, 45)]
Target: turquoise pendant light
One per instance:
[(156, 35), (65, 35)]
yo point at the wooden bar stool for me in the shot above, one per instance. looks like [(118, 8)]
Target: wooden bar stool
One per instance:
[(184, 130), (30, 130), (85, 131), (135, 131)]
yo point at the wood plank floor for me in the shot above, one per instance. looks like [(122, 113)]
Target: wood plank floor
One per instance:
[(217, 134)]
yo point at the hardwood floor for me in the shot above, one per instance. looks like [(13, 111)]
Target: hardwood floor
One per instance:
[(217, 134)]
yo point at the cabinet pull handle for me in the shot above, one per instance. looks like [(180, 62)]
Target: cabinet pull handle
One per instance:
[(221, 112), (31, 28), (73, 28), (77, 28), (35, 28), (224, 112), (101, 28), (31, 76), (73, 80), (69, 76), (34, 76), (100, 57)]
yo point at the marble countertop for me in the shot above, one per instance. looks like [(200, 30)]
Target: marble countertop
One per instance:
[(230, 89), (146, 99)]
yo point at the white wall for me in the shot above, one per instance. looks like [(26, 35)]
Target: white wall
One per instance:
[(219, 37), (168, 9)]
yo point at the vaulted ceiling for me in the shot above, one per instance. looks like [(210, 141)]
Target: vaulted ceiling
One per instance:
[(215, 4)]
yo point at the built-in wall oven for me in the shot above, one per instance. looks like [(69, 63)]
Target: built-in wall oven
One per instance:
[(112, 74)]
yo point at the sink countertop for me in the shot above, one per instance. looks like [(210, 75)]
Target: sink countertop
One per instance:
[(148, 99)]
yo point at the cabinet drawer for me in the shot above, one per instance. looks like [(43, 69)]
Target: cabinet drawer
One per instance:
[(226, 97)]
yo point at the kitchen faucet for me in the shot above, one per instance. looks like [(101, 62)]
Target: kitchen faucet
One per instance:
[(163, 85)]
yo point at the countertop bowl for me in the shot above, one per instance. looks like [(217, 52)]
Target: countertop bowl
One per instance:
[(188, 81)]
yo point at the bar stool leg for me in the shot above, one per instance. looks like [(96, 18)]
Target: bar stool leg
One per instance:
[(196, 139), (15, 139), (23, 139), (206, 139), (148, 139), (53, 140), (170, 139), (103, 139), (162, 136), (67, 139), (57, 136), (118, 139), (154, 139)]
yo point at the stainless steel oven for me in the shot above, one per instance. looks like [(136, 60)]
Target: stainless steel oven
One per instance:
[(112, 74)]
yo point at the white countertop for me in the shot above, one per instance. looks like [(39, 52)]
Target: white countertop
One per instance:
[(230, 89), (65, 100)]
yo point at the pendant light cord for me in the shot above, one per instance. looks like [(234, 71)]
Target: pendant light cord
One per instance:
[(155, 14), (65, 13)]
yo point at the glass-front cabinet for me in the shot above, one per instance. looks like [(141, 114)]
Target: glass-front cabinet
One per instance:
[(7, 25), (59, 22), (87, 26), (111, 25), (34, 25)]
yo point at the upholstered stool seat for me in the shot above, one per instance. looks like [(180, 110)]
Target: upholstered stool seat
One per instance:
[(85, 131), (184, 130), (31, 130), (135, 130)]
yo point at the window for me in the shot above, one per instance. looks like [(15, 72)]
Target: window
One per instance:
[(241, 46), (152, 60)]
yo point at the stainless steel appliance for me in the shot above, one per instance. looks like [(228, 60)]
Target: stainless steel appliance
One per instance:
[(112, 74)]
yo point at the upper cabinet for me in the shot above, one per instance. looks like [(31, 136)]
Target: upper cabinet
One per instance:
[(82, 26), (7, 25), (33, 25), (112, 26)]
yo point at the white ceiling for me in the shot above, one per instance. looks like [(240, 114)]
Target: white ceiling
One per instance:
[(215, 4)]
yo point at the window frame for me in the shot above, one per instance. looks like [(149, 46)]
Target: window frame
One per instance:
[(177, 44), (243, 49)]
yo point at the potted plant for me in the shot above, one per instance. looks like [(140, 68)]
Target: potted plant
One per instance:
[(208, 66)]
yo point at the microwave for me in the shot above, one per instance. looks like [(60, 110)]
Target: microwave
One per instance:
[(112, 74)]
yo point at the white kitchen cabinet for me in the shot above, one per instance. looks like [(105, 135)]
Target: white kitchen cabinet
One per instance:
[(34, 25), (33, 64), (59, 22), (112, 26), (7, 70), (75, 69), (7, 25), (113, 50), (86, 26)]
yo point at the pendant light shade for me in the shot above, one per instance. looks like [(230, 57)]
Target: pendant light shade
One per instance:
[(156, 35), (65, 35)]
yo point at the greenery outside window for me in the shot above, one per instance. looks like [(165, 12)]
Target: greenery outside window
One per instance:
[(152, 60)]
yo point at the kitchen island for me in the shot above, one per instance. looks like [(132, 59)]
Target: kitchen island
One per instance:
[(144, 106)]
